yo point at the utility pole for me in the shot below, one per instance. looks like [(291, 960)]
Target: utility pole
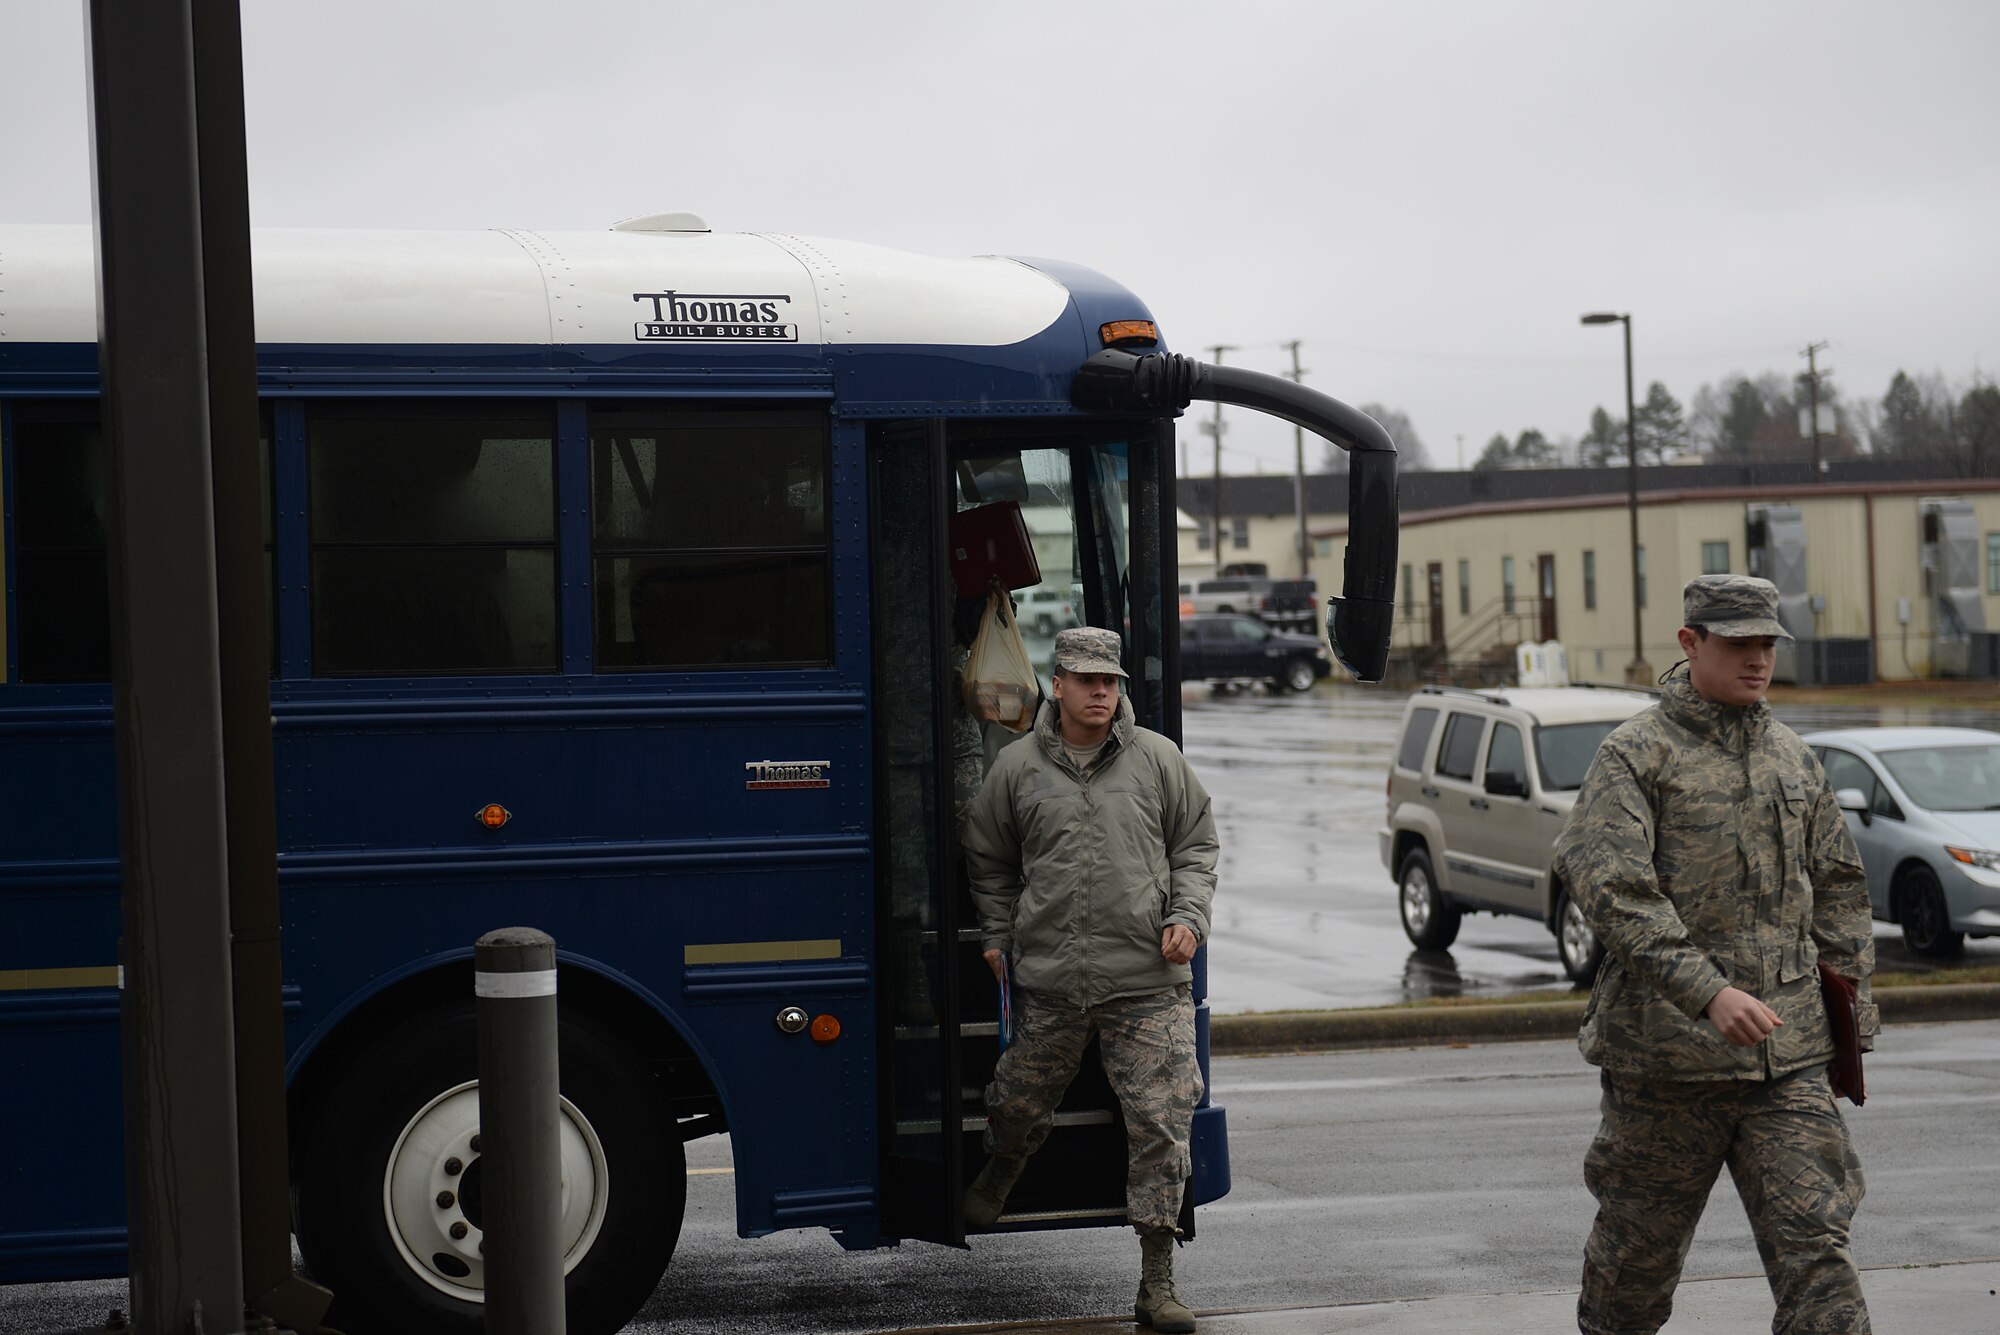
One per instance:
[(177, 1024), (1811, 354), (1215, 501), (1297, 377)]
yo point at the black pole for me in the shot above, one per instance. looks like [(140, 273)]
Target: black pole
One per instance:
[(1637, 673), (244, 634), (176, 1017), (520, 1117)]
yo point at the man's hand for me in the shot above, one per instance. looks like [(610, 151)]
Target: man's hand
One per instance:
[(996, 960), (1177, 943), (1741, 1018)]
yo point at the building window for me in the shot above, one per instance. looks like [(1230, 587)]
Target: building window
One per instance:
[(1639, 563), (1409, 586), (1239, 533), (1465, 588), (1322, 546), (1715, 558), (1202, 541), (1507, 584), (1993, 563), (1590, 581)]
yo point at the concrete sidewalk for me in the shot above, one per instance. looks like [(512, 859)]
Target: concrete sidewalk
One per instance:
[(1955, 1298)]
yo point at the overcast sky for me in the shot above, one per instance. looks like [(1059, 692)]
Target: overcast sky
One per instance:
[(1427, 195)]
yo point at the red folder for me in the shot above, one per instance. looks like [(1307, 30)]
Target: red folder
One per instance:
[(988, 543), (1844, 1018)]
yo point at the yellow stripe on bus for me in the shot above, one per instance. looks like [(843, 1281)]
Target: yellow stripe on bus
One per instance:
[(761, 952), (31, 980)]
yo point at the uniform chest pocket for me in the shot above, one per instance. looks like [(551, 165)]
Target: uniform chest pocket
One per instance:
[(1792, 818)]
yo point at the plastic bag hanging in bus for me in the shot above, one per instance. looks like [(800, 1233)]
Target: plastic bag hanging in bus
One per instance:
[(1000, 682)]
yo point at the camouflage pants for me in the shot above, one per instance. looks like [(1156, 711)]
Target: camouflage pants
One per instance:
[(1148, 1048), (1657, 1153)]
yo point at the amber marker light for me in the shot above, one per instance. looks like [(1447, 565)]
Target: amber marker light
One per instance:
[(1116, 332), (825, 1028), (493, 815)]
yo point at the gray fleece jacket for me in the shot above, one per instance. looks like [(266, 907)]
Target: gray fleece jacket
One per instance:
[(1075, 876)]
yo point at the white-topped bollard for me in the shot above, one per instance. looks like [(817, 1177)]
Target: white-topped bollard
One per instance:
[(519, 1129)]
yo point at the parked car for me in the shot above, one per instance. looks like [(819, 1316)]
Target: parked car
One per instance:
[(1046, 609), (1479, 787), (1288, 604), (1234, 649), (1923, 805)]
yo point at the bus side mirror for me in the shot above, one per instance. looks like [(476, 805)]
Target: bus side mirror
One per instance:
[(1359, 622)]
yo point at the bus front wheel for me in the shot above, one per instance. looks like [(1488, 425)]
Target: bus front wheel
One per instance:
[(389, 1202)]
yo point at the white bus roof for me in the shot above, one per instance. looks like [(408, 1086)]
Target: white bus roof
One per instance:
[(596, 289)]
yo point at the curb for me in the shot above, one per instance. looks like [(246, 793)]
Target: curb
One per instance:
[(1424, 1026)]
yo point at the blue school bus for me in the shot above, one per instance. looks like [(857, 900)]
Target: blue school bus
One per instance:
[(610, 594)]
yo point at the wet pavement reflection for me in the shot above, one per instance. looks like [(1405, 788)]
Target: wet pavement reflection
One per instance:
[(1305, 916)]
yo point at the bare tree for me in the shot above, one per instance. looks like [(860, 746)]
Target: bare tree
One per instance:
[(1411, 455)]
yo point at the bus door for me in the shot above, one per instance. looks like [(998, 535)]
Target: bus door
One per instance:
[(1090, 498)]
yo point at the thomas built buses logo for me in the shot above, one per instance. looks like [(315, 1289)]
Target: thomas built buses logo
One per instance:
[(767, 775), (687, 317)]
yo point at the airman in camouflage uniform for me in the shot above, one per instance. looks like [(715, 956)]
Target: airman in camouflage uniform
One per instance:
[(1092, 854), (1708, 854)]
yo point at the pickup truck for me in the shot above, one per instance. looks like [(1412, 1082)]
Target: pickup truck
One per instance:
[(1288, 604)]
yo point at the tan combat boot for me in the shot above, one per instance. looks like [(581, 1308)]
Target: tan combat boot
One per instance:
[(1158, 1305), (987, 1195)]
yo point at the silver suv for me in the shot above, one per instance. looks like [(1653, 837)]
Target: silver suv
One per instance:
[(1479, 787)]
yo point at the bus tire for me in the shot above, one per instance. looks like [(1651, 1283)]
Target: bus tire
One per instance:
[(371, 1228)]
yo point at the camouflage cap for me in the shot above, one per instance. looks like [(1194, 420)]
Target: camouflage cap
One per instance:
[(1733, 605), (1089, 649)]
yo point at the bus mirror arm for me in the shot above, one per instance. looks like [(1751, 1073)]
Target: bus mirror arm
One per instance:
[(1359, 621)]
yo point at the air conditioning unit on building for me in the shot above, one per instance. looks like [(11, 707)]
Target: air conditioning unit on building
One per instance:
[(1545, 664)]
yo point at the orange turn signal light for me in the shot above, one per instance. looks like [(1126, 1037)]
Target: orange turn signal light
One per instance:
[(1115, 332), (493, 816), (825, 1028)]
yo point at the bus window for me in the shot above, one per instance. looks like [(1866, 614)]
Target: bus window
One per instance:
[(709, 538), (433, 538), (61, 566), (61, 577)]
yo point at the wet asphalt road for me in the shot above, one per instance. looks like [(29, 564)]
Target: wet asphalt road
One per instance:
[(1305, 912), (1358, 1177)]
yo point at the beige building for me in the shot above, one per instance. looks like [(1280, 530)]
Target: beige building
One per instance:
[(1878, 577)]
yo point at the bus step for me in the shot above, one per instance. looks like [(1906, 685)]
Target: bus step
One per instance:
[(927, 1032), (1108, 1213), (1086, 1117)]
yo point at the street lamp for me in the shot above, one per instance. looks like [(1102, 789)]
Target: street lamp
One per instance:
[(1637, 672)]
